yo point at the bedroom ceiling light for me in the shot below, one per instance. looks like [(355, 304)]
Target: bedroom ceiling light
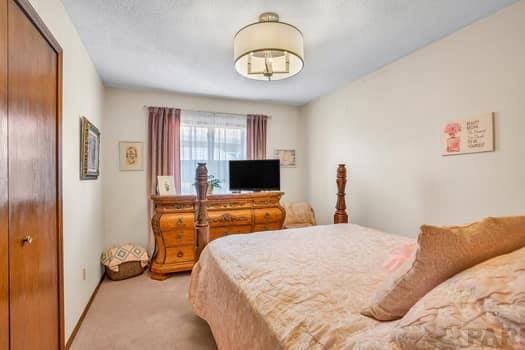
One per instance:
[(268, 49)]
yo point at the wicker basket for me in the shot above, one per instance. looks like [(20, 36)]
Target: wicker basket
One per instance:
[(126, 270)]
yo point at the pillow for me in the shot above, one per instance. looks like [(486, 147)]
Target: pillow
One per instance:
[(480, 308), (397, 259), (442, 252)]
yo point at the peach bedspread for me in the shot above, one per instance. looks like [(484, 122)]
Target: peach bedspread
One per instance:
[(294, 289)]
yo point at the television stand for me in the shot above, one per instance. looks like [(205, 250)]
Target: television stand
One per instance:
[(236, 213)]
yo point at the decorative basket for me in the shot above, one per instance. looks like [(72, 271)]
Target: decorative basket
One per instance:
[(124, 261), (126, 270)]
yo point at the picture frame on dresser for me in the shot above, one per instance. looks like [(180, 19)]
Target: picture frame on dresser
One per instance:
[(166, 186)]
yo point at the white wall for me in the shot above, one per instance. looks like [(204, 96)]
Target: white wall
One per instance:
[(387, 126), (83, 224), (125, 203)]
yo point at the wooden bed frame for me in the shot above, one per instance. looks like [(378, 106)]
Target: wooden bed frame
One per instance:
[(202, 227)]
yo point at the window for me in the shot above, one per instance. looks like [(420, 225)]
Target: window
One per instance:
[(213, 138)]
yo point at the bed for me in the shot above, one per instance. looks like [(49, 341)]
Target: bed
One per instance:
[(305, 288), (301, 291)]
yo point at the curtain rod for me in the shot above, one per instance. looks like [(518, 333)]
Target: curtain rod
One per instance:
[(197, 111)]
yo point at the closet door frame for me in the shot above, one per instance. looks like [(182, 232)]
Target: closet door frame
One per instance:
[(39, 24), (4, 185)]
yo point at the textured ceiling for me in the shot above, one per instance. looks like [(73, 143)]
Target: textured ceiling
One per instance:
[(186, 45)]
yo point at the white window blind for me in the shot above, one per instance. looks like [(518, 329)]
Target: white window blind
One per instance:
[(213, 138)]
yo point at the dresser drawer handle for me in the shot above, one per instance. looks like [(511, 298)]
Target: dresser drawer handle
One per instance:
[(178, 236), (180, 254), (227, 218), (267, 215)]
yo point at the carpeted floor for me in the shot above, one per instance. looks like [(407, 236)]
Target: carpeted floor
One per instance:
[(141, 313)]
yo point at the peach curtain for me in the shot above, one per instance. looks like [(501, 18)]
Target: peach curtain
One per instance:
[(163, 151), (256, 136)]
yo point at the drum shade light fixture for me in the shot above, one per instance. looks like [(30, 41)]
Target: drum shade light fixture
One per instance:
[(268, 49)]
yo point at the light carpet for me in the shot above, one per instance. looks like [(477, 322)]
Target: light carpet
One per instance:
[(140, 313)]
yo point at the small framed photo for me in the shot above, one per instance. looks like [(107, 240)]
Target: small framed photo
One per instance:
[(166, 186), (131, 156), (89, 150), (286, 157)]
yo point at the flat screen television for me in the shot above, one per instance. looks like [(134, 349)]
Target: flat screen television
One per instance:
[(255, 175)]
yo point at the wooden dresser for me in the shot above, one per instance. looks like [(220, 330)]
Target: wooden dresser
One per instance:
[(173, 224)]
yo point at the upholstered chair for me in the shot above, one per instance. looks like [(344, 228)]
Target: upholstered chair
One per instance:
[(298, 214)]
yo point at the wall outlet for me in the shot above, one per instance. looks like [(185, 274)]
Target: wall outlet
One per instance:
[(84, 274)]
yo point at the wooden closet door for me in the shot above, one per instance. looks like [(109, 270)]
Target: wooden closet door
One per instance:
[(4, 218), (33, 214)]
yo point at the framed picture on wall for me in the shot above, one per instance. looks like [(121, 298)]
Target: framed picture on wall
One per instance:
[(89, 150), (286, 157), (131, 156), (473, 135), (166, 186)]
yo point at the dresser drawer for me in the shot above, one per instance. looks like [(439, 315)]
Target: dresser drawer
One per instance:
[(264, 216), (171, 222), (266, 202), (180, 254), (178, 237), (218, 232), (230, 218), (267, 227), (228, 205)]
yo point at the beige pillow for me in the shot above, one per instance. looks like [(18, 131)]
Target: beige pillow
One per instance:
[(443, 252), (480, 308)]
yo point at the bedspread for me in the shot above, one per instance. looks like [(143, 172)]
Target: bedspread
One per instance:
[(294, 289)]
